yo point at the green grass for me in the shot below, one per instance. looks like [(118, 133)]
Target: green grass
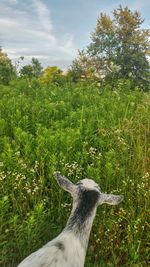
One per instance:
[(82, 131)]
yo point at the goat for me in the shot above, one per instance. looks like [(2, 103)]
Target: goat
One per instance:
[(69, 248)]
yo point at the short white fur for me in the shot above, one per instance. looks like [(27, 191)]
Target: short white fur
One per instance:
[(69, 248)]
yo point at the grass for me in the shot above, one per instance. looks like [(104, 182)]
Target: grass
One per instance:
[(82, 131)]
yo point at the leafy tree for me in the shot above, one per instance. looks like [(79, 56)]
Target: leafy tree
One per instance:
[(51, 75), (37, 68), (27, 71), (83, 68), (77, 69), (119, 47), (32, 70), (7, 72)]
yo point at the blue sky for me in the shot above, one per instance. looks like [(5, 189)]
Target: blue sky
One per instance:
[(53, 30)]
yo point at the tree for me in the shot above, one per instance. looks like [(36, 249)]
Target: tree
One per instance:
[(119, 47), (83, 68), (27, 71), (51, 75), (37, 68), (32, 70), (7, 72)]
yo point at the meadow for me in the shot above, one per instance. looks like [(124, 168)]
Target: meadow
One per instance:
[(81, 130)]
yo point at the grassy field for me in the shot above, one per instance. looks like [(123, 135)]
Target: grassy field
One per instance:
[(82, 131)]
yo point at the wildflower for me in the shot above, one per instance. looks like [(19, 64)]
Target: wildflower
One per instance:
[(17, 153), (146, 175)]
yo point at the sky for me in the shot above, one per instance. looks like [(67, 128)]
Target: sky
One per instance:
[(54, 30)]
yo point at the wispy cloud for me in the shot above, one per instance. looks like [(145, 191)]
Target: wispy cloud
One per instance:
[(43, 15), (27, 29), (49, 30)]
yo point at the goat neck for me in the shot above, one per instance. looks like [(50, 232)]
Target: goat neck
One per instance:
[(82, 216)]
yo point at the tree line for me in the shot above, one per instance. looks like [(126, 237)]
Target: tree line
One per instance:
[(119, 49)]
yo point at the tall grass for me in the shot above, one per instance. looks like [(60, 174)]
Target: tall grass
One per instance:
[(82, 131)]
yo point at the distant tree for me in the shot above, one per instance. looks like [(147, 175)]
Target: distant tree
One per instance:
[(77, 69), (37, 68), (32, 70), (27, 71), (17, 63), (119, 47), (51, 75), (83, 68), (7, 72)]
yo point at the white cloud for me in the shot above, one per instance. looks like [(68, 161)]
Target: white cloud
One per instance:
[(27, 30), (14, 2), (43, 15)]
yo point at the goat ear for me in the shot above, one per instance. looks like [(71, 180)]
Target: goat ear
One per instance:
[(65, 183), (110, 199)]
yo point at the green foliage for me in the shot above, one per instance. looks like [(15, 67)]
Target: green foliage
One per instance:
[(77, 70), (27, 71), (119, 48), (82, 69), (37, 68), (51, 75), (83, 131), (7, 72), (33, 70)]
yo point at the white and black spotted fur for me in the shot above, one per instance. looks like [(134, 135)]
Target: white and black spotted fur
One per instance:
[(69, 248)]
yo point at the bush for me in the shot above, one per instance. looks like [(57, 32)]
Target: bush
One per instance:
[(83, 131)]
